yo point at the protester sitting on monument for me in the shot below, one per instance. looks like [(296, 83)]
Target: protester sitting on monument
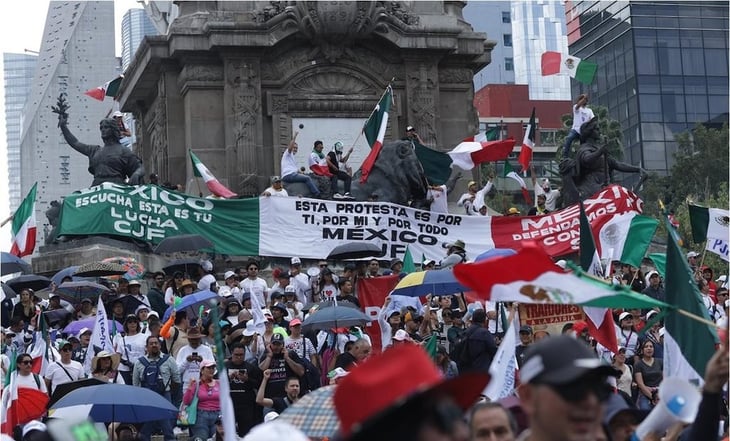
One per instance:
[(581, 115), (334, 159), (290, 171), (276, 188)]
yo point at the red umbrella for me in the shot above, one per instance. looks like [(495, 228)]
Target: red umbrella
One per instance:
[(29, 405)]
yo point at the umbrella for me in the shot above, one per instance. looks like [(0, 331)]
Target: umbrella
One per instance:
[(75, 326), (187, 266), (100, 269), (335, 317), (191, 301), (130, 304), (436, 282), (328, 303), (10, 263), (314, 414), (66, 272), (57, 317), (120, 402), (183, 242), (30, 405), (495, 252), (135, 270), (65, 388), (355, 250), (74, 292), (8, 292), (31, 281)]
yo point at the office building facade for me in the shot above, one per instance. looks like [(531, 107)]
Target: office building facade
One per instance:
[(495, 19), (77, 54), (135, 25), (18, 72), (662, 69)]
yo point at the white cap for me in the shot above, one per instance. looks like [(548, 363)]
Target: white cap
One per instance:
[(722, 278), (692, 254), (651, 314), (228, 275), (83, 331), (624, 315), (296, 261), (34, 425), (271, 416), (401, 335), (141, 307), (206, 265), (250, 328), (116, 114), (290, 288), (561, 263), (153, 313)]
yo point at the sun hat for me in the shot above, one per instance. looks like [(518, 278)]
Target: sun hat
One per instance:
[(458, 244), (194, 333), (135, 283), (513, 210), (250, 329), (281, 307), (105, 354), (404, 374), (188, 282), (560, 360), (140, 308)]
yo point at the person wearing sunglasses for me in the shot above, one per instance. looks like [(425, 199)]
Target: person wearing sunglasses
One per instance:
[(65, 370), (25, 377), (564, 390)]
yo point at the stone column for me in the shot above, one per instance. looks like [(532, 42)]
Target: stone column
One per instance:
[(277, 108), (422, 92), (243, 123)]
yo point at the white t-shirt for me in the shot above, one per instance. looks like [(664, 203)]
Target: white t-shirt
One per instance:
[(296, 346), (132, 346), (551, 198), (440, 201), (257, 287), (57, 375), (191, 369), (581, 115), (288, 164), (205, 282), (274, 192)]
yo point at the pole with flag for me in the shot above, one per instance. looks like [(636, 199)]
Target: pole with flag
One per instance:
[(528, 143), (408, 265), (504, 364), (110, 88), (510, 173), (600, 320), (24, 226), (101, 339), (374, 130), (228, 417), (213, 184)]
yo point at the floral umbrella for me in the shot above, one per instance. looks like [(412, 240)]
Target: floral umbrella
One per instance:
[(135, 270)]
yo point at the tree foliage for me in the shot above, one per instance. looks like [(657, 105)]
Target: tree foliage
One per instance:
[(611, 133)]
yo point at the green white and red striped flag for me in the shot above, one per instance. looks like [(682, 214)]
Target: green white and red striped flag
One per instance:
[(626, 237), (24, 226), (509, 172), (374, 131), (110, 88), (556, 63), (710, 225), (213, 184), (528, 143)]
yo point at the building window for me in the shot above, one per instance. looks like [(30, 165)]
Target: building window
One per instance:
[(507, 40), (549, 137), (509, 64), (506, 17)]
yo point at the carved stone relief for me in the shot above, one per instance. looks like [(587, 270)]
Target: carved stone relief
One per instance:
[(455, 75), (422, 91)]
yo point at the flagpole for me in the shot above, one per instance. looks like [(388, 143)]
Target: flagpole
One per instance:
[(381, 97), (197, 184), (7, 220)]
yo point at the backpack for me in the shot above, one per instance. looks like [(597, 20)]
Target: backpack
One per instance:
[(460, 350), (151, 375), (312, 378)]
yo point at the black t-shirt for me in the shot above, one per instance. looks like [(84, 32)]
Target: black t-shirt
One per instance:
[(280, 371), (333, 158), (280, 404)]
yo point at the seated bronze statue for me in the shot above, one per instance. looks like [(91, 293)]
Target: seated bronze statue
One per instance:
[(111, 162), (593, 166)]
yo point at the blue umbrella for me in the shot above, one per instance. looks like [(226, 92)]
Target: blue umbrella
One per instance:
[(58, 277), (119, 402), (436, 282), (10, 263), (190, 302), (495, 252), (335, 317), (75, 326)]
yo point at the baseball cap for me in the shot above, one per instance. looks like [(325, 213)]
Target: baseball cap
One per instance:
[(34, 425), (296, 261), (560, 360), (513, 210), (60, 343), (338, 146), (135, 283), (692, 254), (624, 315), (409, 129), (401, 335), (526, 328), (117, 114), (140, 308), (295, 322), (207, 363), (617, 404), (83, 331), (86, 300), (290, 289), (228, 275), (277, 338), (284, 275), (395, 262), (206, 265), (275, 179)]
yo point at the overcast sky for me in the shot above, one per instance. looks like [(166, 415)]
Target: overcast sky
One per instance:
[(21, 28)]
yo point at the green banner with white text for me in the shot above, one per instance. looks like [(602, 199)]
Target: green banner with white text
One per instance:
[(150, 213)]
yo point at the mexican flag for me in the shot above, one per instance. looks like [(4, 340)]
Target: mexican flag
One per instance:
[(23, 229), (530, 276), (528, 143), (557, 63), (110, 88), (710, 225), (626, 237), (408, 265), (509, 172), (436, 165), (688, 344), (493, 134), (213, 184), (600, 320), (374, 131), (504, 365), (469, 153)]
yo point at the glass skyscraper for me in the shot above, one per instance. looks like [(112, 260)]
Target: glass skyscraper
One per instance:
[(135, 25), (18, 70), (662, 68)]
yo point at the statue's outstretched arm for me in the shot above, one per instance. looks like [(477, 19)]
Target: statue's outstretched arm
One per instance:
[(62, 110), (623, 167)]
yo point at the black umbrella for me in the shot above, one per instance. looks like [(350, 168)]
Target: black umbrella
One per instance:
[(335, 317), (60, 317), (74, 292), (8, 291), (31, 281), (184, 242), (328, 303), (64, 388), (100, 269), (355, 250), (187, 266), (130, 304), (10, 263)]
